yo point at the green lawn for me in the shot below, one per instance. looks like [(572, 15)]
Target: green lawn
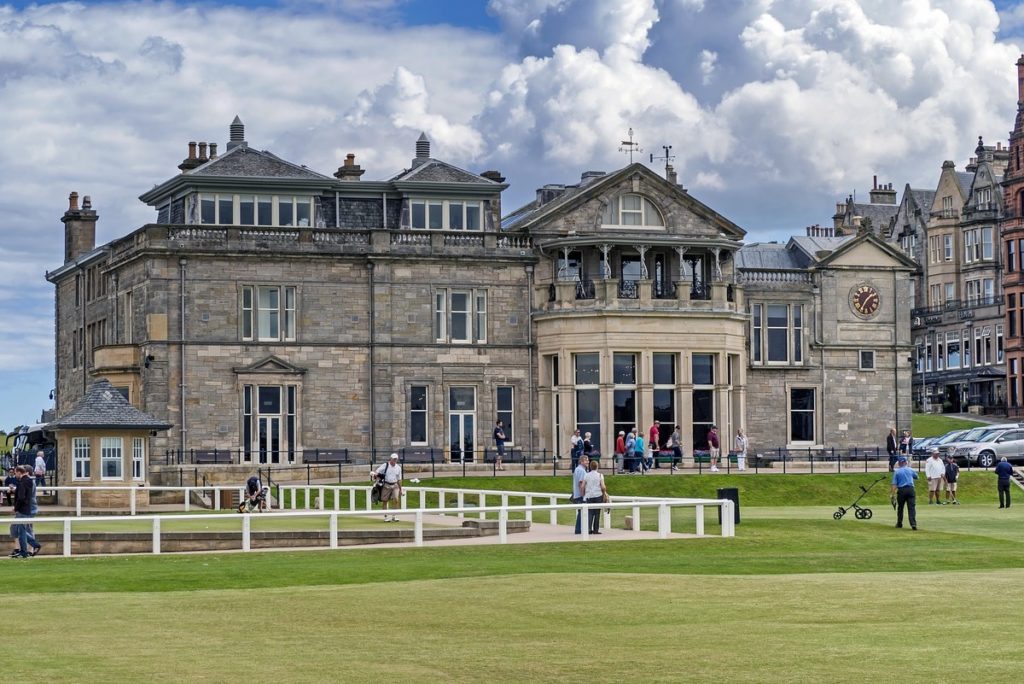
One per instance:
[(796, 596), (933, 424)]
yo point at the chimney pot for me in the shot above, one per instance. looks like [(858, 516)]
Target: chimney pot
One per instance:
[(202, 150), (213, 150), (191, 150), (350, 159), (86, 203), (874, 182), (73, 201)]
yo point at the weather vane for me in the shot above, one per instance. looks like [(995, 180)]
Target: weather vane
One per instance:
[(630, 146), (668, 158)]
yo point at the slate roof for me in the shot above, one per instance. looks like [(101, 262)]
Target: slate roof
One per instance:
[(923, 199), (766, 255), (527, 210), (436, 171), (965, 180), (245, 162), (103, 407), (880, 214)]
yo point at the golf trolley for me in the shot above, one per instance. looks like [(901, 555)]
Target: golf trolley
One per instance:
[(859, 512)]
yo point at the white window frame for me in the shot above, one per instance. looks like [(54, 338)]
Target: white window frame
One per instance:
[(112, 452), (252, 313), (475, 313), (865, 354), (138, 459), (462, 207), (950, 292), (947, 247), (275, 201), (814, 415), (650, 214), (795, 337), (81, 455)]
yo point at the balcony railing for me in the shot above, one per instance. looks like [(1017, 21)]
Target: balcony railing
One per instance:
[(700, 290), (628, 289), (585, 289), (958, 305), (663, 289)]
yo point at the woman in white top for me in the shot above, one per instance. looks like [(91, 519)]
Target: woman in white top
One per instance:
[(740, 447), (594, 491)]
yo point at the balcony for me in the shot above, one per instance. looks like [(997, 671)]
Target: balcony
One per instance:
[(958, 305), (643, 294)]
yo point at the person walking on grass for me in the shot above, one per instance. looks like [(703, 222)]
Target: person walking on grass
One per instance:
[(1004, 471), (952, 473), (391, 495), (594, 492), (903, 490), (577, 487), (935, 471)]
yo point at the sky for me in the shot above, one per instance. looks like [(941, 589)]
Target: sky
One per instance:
[(775, 109)]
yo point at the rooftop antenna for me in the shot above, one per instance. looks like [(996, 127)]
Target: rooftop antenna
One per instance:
[(668, 158), (630, 146)]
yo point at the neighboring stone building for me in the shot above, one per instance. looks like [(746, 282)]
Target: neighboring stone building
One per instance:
[(958, 328), (1011, 228), (829, 338), (875, 215), (272, 311), (909, 228)]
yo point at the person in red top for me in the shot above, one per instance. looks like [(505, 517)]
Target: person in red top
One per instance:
[(654, 441), (620, 449), (713, 448)]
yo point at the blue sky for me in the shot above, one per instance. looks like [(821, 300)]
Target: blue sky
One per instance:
[(775, 110)]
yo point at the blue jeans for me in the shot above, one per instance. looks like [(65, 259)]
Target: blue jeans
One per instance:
[(25, 536), (579, 513)]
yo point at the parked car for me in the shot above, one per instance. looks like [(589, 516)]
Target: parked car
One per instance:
[(939, 442), (992, 446), (923, 446), (971, 436)]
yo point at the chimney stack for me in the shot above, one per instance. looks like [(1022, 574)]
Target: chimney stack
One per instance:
[(79, 228), (882, 194), (192, 160), (670, 174), (349, 171), (496, 198)]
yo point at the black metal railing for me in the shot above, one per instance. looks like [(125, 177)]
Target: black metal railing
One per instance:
[(629, 289), (663, 289), (700, 290)]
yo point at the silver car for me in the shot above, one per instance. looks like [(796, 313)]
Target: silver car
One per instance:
[(992, 446), (972, 436)]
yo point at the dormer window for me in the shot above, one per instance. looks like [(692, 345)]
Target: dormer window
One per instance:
[(633, 211), (445, 215), (255, 210)]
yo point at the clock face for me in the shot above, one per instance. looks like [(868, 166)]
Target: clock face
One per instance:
[(865, 300)]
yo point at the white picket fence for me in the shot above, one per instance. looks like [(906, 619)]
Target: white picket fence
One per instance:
[(290, 495)]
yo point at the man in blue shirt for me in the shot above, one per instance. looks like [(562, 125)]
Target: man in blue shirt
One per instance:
[(903, 489), (577, 490), (1004, 471)]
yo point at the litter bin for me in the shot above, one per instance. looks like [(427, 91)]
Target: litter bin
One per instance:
[(733, 495)]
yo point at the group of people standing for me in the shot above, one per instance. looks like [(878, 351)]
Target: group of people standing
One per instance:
[(638, 454), (898, 446)]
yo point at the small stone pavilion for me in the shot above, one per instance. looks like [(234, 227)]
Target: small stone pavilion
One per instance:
[(104, 442)]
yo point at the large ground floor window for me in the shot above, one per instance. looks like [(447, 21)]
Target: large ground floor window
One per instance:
[(269, 415), (462, 424), (801, 415)]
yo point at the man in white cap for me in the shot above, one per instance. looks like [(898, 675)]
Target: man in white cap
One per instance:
[(390, 474)]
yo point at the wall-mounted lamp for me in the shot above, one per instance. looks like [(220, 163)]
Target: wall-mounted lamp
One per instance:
[(149, 359)]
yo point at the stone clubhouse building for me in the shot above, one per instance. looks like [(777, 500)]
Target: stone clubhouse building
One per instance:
[(272, 312)]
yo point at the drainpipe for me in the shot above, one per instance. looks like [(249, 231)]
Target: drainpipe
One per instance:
[(116, 336), (337, 209), (896, 356), (819, 340), (182, 262), (529, 342), (369, 267), (85, 356), (384, 210)]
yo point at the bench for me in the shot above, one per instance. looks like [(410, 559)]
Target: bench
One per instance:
[(421, 455), (214, 457), (705, 457), (326, 456)]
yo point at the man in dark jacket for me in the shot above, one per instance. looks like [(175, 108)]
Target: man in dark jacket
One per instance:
[(24, 497), (1004, 471)]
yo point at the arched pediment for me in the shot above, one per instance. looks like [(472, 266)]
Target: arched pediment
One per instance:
[(631, 210)]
